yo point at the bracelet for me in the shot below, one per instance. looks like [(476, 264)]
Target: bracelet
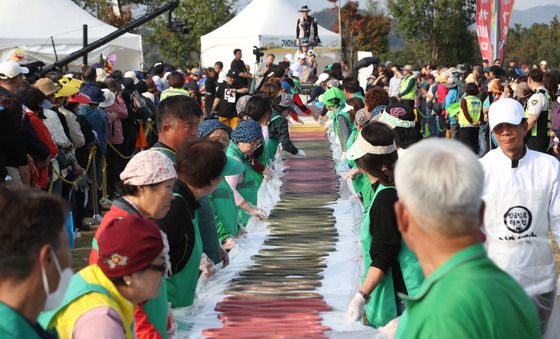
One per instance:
[(364, 295)]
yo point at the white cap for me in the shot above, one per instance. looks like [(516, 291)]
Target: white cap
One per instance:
[(408, 68), (322, 77), (131, 75), (506, 110), (290, 57), (301, 56), (362, 147), (543, 62), (11, 69), (109, 98), (347, 108)]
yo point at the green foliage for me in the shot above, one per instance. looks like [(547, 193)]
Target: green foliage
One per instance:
[(363, 30), (201, 17), (436, 31), (533, 44)]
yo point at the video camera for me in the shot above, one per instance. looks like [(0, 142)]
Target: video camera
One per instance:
[(258, 53)]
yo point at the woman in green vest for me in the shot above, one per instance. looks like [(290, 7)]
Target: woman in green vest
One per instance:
[(201, 164), (259, 109), (389, 266), (278, 127), (101, 299), (335, 101), (226, 212), (35, 260), (246, 139)]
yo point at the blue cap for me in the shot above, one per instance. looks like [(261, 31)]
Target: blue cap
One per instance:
[(206, 127), (93, 92), (246, 131), (285, 85)]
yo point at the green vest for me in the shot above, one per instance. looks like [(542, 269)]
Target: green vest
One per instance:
[(14, 325), (474, 107), (404, 84), (248, 187), (360, 182), (225, 211), (542, 125), (181, 286), (381, 307), (346, 117)]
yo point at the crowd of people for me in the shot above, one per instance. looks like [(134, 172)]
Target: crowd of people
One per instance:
[(176, 157)]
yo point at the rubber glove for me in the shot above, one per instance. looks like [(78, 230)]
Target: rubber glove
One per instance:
[(206, 266), (390, 330), (258, 213), (230, 243), (356, 307), (225, 257), (301, 154)]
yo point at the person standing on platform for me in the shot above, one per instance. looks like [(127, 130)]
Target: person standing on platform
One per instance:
[(227, 94)]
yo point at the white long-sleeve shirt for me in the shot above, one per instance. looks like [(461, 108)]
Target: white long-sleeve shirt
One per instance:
[(522, 203)]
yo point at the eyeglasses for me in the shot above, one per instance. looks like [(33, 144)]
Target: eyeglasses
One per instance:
[(158, 268), (256, 146)]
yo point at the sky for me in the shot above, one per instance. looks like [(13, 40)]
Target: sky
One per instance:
[(317, 5)]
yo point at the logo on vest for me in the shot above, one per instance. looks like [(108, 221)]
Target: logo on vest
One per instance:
[(518, 219)]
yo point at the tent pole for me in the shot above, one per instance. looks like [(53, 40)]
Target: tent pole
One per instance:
[(85, 43), (54, 49)]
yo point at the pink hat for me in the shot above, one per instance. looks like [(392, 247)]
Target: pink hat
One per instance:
[(148, 168)]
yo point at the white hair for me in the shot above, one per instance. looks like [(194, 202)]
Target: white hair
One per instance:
[(440, 181)]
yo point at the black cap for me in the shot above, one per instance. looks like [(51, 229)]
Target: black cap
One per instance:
[(231, 74), (304, 9)]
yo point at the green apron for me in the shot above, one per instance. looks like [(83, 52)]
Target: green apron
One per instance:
[(381, 307), (248, 187), (225, 211), (181, 286), (207, 227), (273, 143), (14, 325), (264, 159), (361, 183)]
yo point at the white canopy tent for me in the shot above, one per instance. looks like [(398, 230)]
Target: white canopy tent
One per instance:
[(268, 24), (30, 24)]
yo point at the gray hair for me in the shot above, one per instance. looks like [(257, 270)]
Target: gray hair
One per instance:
[(441, 181)]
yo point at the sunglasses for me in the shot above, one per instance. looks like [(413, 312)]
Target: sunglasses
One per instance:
[(158, 268)]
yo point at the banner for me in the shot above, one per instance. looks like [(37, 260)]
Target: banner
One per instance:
[(484, 13), (487, 24), (506, 8)]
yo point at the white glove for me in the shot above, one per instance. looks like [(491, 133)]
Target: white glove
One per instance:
[(351, 174), (267, 173), (390, 330), (343, 156), (230, 243), (171, 326), (225, 257), (206, 266), (300, 154), (258, 213), (356, 307)]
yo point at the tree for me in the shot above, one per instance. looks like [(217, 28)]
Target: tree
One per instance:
[(533, 44), (361, 30), (436, 30), (201, 18)]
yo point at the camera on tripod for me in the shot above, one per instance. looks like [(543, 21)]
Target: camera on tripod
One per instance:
[(258, 53)]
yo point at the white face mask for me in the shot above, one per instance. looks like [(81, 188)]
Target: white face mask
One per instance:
[(54, 299)]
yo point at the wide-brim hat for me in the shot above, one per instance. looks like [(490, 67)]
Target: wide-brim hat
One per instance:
[(47, 86), (109, 98), (304, 8), (362, 147)]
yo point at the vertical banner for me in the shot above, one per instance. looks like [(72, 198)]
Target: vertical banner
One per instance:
[(506, 8), (484, 14)]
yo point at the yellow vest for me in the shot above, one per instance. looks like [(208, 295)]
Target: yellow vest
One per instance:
[(404, 84), (66, 318), (170, 92), (474, 107)]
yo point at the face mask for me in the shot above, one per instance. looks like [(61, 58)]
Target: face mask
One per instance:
[(54, 299)]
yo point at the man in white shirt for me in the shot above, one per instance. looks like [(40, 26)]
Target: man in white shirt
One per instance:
[(522, 196), (395, 84)]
